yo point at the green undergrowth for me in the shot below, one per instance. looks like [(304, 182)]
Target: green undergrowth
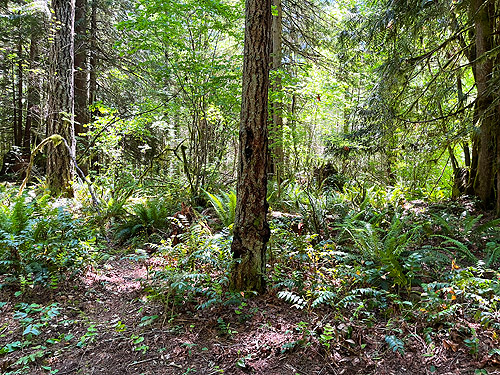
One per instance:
[(372, 260), (41, 241)]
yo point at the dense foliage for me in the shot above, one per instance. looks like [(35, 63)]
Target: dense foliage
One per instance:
[(383, 171)]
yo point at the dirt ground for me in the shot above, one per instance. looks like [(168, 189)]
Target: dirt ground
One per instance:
[(117, 330)]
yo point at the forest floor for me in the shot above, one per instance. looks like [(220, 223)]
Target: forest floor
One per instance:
[(105, 324)]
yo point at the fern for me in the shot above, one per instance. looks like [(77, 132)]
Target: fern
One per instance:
[(444, 222), (382, 246), (41, 244), (296, 301), (349, 299), (483, 228), (370, 292), (395, 344), (145, 219), (287, 283), (459, 246), (224, 205), (493, 253), (325, 297), (470, 222)]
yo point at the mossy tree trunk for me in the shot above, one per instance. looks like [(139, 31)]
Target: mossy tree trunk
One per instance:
[(251, 230)]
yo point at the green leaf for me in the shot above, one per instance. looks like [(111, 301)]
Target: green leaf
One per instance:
[(31, 329)]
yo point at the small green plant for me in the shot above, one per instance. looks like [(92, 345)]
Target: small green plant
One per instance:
[(225, 328), (120, 327), (89, 336), (395, 344), (147, 320), (242, 361), (327, 336), (472, 343), (136, 341), (35, 320), (189, 346)]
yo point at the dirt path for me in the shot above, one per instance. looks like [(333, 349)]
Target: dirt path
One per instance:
[(107, 325)]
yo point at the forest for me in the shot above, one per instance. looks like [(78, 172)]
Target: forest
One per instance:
[(281, 187)]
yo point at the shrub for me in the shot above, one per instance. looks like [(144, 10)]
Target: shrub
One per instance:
[(144, 220), (41, 242)]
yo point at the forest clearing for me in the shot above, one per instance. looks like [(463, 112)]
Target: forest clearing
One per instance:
[(249, 187)]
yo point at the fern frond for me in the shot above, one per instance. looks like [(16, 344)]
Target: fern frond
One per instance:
[(297, 301), (349, 299), (224, 205), (481, 229), (325, 297), (459, 246)]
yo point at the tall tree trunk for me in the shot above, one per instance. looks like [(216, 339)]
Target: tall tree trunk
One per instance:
[(14, 103), (81, 71), (93, 62), (19, 105), (277, 106), (251, 230), (60, 168), (32, 98), (81, 74), (483, 13)]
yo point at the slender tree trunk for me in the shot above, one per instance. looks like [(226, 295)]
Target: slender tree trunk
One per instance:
[(14, 104), (19, 106), (277, 106), (93, 62), (251, 230), (32, 99), (60, 169), (81, 71), (81, 74)]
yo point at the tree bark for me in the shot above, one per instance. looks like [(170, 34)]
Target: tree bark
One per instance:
[(81, 73), (251, 230), (93, 61), (32, 98), (19, 106), (487, 115), (277, 106), (60, 169)]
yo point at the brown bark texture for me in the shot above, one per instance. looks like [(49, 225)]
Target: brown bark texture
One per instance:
[(483, 185), (93, 61), (82, 114), (251, 230), (277, 106), (60, 169), (81, 71), (19, 107), (32, 97)]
